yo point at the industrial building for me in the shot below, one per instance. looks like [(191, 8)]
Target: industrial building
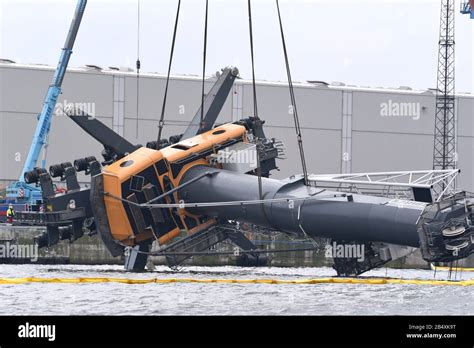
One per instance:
[(345, 128)]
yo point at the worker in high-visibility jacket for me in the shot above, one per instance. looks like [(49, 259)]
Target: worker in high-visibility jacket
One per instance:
[(10, 213)]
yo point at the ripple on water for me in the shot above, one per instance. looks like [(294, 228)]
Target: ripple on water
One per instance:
[(226, 299)]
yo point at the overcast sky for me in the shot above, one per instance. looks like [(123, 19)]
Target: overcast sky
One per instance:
[(367, 43)]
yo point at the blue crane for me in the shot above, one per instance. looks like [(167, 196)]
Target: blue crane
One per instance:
[(20, 191), (467, 7)]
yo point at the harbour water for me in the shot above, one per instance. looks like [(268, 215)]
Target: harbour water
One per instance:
[(227, 299)]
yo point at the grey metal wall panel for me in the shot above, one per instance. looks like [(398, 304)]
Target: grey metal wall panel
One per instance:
[(378, 143), (322, 151), (183, 101), (24, 90), (372, 152), (466, 163), (4, 157), (148, 130), (67, 142), (89, 88), (465, 114), (15, 139), (317, 108), (368, 115)]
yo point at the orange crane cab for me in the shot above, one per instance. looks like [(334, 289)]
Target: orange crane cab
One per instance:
[(146, 174)]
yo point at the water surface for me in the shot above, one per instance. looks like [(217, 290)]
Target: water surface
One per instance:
[(227, 299)]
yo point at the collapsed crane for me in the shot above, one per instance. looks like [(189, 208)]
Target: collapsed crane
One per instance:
[(190, 192), (186, 196)]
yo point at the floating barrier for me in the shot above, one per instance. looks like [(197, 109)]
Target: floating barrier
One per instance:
[(452, 269), (364, 281)]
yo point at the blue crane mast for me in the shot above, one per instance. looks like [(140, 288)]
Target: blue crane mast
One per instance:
[(20, 191), (467, 7)]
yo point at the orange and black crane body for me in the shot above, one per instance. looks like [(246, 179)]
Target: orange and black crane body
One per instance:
[(146, 174), (179, 195)]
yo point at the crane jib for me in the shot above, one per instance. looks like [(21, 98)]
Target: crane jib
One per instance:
[(44, 128), (54, 90)]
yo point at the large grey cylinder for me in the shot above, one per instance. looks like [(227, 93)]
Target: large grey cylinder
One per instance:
[(316, 212)]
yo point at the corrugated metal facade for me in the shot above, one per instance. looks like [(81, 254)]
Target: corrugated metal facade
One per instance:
[(345, 129)]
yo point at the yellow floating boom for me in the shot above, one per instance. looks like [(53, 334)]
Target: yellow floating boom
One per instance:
[(452, 269), (366, 281)]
